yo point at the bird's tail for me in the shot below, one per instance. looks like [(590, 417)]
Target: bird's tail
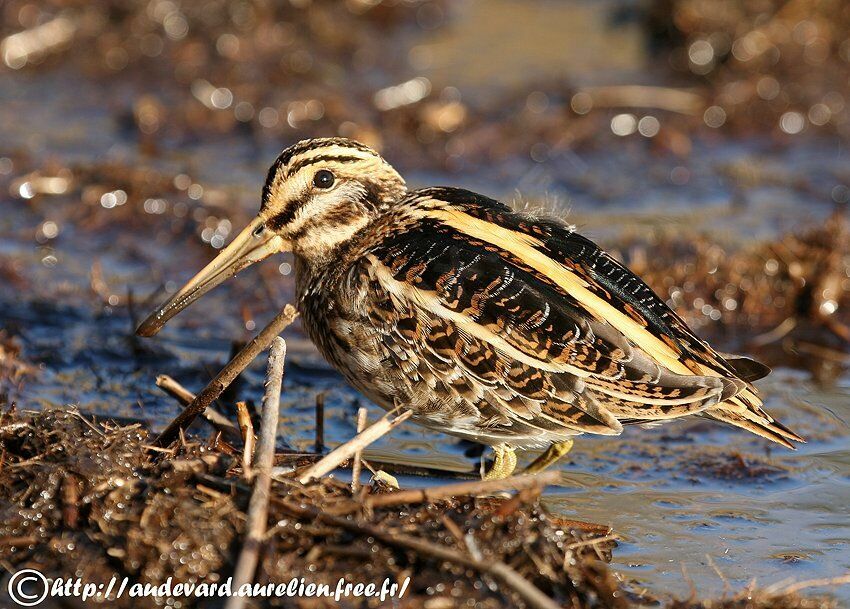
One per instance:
[(744, 410)]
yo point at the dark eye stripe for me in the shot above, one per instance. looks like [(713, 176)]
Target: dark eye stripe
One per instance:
[(299, 165), (285, 217)]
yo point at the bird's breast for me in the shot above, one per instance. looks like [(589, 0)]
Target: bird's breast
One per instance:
[(336, 320)]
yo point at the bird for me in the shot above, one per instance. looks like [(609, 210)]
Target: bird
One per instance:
[(498, 326)]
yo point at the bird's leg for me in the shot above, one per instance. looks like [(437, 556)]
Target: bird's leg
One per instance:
[(555, 451), (504, 463)]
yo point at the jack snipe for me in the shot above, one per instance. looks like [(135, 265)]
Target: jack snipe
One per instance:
[(506, 329)]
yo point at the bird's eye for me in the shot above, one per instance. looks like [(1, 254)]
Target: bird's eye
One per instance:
[(323, 179)]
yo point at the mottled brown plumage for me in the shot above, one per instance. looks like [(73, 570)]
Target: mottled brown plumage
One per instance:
[(506, 329)]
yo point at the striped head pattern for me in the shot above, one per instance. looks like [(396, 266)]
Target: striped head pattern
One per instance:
[(321, 192)]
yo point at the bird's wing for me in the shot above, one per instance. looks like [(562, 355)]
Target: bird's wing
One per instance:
[(476, 310), (605, 294)]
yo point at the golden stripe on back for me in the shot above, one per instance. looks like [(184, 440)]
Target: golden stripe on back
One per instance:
[(525, 247)]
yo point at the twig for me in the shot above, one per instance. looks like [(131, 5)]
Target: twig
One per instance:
[(641, 96), (29, 540), (691, 585), (462, 489), (44, 39), (776, 334), (832, 355), (497, 569), (373, 460), (320, 423), (345, 451), (809, 583), (230, 394), (247, 438), (727, 587), (70, 501), (185, 397), (258, 506), (358, 464), (271, 406), (591, 542), (76, 413), (223, 379)]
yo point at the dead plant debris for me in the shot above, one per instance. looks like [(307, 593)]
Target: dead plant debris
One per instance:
[(771, 296), (766, 65), (85, 498)]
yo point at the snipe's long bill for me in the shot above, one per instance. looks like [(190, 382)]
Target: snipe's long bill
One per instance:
[(253, 244), (504, 328)]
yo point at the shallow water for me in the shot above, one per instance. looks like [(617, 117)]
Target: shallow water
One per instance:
[(689, 511)]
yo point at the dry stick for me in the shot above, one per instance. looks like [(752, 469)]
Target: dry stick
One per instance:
[(641, 96), (271, 405), (497, 569), (357, 465), (463, 489), (258, 506), (592, 542), (70, 501), (780, 589), (285, 460), (227, 375), (185, 397), (247, 438), (345, 451)]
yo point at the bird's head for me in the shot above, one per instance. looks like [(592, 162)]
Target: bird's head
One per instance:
[(319, 193)]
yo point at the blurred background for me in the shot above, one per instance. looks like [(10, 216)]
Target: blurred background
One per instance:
[(704, 142)]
